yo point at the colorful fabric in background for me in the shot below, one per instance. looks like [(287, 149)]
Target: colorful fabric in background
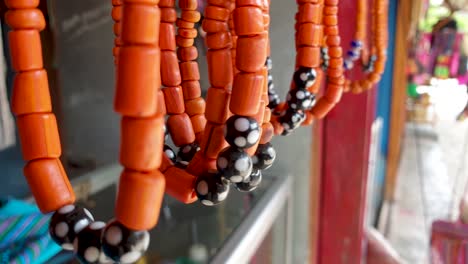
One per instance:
[(449, 243), (24, 237)]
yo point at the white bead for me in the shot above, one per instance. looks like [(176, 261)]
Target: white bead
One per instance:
[(61, 229), (300, 94), (207, 202), (114, 235), (80, 225), (88, 214), (66, 209), (91, 254), (253, 137), (241, 164), (97, 225), (67, 246), (240, 142), (242, 124)]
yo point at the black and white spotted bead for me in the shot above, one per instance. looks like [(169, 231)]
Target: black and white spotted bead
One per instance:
[(87, 244), (187, 152), (67, 222), (369, 67), (269, 63), (264, 156), (304, 77), (234, 164), (241, 131), (250, 183), (290, 120), (299, 99), (211, 189), (273, 100), (166, 133), (169, 152), (123, 245)]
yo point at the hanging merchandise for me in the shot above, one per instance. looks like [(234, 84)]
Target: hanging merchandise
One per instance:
[(222, 141)]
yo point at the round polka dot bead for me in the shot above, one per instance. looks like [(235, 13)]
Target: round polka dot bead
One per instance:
[(67, 222), (211, 189), (87, 244), (274, 100), (123, 245), (304, 77), (291, 120), (241, 131), (264, 156), (300, 99), (269, 63), (187, 152), (250, 183), (234, 164), (169, 152)]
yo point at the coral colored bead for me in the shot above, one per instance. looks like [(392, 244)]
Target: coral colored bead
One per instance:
[(39, 136), (191, 90), (174, 100), (187, 32), (31, 93), (139, 199), (189, 71), (117, 2), (161, 110), (333, 93), (267, 133), (267, 114), (213, 142), (335, 72), (117, 28), (166, 3), (251, 53), (180, 23), (136, 96), (374, 77), (191, 16), (220, 67), (184, 42), (256, 3), (146, 2), (331, 10), (198, 122), (25, 19), (216, 110), (195, 106), (310, 34), (49, 184), (308, 57), (167, 37), (310, 13), (141, 142), (25, 49), (181, 129), (217, 13), (330, 20), (20, 4), (248, 21), (335, 62), (333, 40), (245, 98), (220, 3), (218, 40), (117, 12), (188, 4), (170, 73), (211, 25), (331, 30), (168, 15), (309, 120), (187, 53), (179, 185), (278, 128), (322, 108), (166, 163), (335, 52), (141, 24)]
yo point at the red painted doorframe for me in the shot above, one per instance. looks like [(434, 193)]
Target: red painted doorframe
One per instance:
[(345, 155)]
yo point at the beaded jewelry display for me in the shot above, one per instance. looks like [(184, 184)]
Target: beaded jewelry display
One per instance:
[(222, 141)]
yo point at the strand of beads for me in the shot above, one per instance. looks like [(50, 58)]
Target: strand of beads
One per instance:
[(377, 61), (117, 17), (141, 185), (187, 54), (211, 189), (357, 44)]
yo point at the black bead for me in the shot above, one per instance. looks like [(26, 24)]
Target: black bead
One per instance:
[(234, 164), (241, 131), (264, 156), (251, 183), (122, 244), (67, 222), (304, 77), (187, 152), (87, 244), (291, 120), (300, 99), (169, 152), (273, 101), (211, 189)]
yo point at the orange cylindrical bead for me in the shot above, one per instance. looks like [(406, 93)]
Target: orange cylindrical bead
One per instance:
[(187, 53), (245, 98), (180, 23), (174, 100), (187, 32), (141, 142), (161, 110), (137, 96), (39, 136), (168, 15), (179, 185), (170, 73), (21, 3), (216, 110), (220, 67), (184, 42), (267, 133), (217, 13), (308, 57), (25, 19), (191, 90), (25, 49), (310, 34), (310, 13), (141, 24), (167, 37), (322, 108), (49, 184), (251, 53), (189, 71), (191, 16), (195, 106), (188, 4), (139, 199), (218, 40), (31, 93), (198, 122), (213, 141), (248, 21), (211, 25), (181, 129)]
